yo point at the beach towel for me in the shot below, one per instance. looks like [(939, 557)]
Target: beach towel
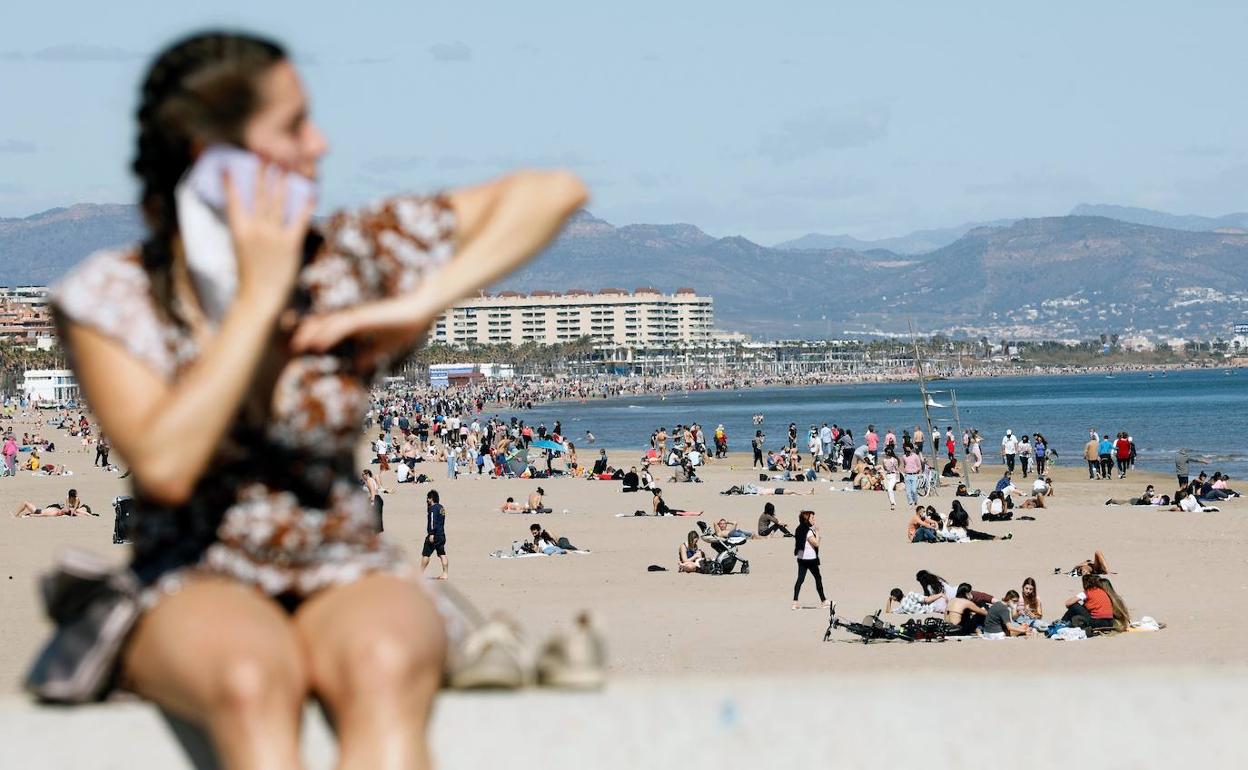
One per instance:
[(502, 554)]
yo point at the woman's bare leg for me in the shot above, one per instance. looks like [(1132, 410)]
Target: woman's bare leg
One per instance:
[(376, 649), (25, 509), (225, 657)]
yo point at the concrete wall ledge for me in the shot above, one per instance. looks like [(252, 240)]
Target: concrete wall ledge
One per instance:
[(1124, 719)]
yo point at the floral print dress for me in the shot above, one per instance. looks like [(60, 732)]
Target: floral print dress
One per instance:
[(279, 506)]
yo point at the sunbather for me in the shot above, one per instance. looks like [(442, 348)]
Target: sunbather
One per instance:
[(72, 506), (535, 502)]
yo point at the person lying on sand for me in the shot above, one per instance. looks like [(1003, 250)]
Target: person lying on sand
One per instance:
[(73, 506), (1094, 566), (511, 506), (661, 508)]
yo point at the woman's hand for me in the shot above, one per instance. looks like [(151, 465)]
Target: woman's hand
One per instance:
[(268, 251)]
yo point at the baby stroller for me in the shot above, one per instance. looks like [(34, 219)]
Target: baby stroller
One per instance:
[(726, 558)]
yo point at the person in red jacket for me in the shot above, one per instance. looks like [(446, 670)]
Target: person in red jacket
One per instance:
[(1122, 453)]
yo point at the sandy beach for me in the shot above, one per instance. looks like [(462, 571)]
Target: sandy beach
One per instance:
[(1186, 570)]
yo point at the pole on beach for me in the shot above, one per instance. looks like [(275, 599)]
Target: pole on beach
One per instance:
[(927, 415), (957, 421)]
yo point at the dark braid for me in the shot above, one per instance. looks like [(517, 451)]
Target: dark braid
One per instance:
[(200, 90)]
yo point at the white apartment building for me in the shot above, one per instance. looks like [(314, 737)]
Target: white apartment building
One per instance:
[(613, 318)]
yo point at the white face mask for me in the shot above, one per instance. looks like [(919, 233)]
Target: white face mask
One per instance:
[(209, 251)]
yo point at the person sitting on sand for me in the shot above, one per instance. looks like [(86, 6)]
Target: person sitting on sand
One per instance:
[(1028, 611), (922, 528), (511, 506), (951, 470), (1094, 607), (632, 482), (1043, 485), (964, 613), (73, 506), (993, 508), (535, 502), (647, 479), (600, 465), (1221, 482), (768, 523), (660, 507), (689, 556), (999, 620)]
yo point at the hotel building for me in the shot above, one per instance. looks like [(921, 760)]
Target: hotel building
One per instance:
[(616, 320)]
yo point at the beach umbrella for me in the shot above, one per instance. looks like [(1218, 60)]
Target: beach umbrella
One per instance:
[(546, 444)]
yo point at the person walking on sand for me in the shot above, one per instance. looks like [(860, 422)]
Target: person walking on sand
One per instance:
[(435, 534), (1009, 450), (806, 551)]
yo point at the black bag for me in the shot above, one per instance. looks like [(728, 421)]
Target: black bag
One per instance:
[(123, 508)]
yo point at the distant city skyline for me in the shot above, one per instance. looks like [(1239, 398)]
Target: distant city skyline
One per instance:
[(871, 121)]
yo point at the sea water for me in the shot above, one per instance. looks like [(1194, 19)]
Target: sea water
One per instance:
[(1205, 410)]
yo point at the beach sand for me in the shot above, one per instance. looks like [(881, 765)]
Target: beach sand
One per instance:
[(1186, 570)]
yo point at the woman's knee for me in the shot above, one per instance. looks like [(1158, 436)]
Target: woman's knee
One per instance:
[(385, 661), (249, 683)]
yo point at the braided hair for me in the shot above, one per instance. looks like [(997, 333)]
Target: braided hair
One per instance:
[(198, 91)]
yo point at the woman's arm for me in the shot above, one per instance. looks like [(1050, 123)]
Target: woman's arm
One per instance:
[(168, 432), (501, 224)]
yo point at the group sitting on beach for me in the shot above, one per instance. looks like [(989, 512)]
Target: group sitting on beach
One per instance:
[(1097, 607)]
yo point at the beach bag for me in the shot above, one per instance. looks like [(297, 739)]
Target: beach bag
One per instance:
[(94, 606)]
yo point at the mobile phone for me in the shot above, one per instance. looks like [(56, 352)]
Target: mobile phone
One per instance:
[(206, 180)]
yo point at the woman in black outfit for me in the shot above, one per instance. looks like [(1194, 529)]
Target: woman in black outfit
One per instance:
[(806, 550)]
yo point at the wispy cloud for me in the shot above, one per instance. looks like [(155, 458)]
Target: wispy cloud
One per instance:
[(817, 132), (17, 147), (85, 52), (451, 52)]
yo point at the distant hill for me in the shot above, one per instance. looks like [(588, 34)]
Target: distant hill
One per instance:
[(1055, 277), (917, 242), (38, 249), (1162, 219), (1052, 277)]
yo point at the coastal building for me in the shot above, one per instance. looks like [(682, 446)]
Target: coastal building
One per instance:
[(24, 316), (49, 386), (1239, 342), (613, 319)]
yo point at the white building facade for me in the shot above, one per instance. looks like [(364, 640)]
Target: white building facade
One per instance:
[(49, 386), (613, 318)]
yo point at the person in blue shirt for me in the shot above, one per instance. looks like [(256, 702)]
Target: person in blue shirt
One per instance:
[(435, 533), (1106, 452)]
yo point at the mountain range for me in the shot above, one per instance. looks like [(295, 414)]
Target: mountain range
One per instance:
[(1056, 277)]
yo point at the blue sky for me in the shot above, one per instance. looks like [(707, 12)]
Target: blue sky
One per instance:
[(765, 120)]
